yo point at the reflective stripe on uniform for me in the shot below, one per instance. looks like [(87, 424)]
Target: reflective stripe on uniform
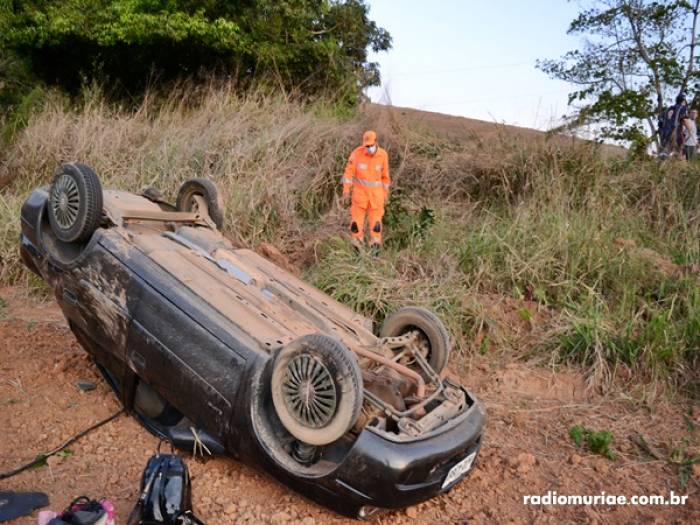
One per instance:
[(346, 180), (386, 186), (368, 183)]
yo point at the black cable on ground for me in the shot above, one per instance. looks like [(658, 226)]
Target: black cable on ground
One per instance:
[(42, 457)]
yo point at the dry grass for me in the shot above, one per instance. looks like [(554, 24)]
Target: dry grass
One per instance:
[(475, 227), (263, 151)]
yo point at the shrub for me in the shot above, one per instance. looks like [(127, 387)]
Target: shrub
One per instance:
[(596, 442)]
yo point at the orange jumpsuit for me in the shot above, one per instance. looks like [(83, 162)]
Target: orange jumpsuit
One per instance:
[(368, 176)]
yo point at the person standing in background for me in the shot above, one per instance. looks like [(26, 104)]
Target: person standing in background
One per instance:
[(690, 135), (670, 126), (367, 175)]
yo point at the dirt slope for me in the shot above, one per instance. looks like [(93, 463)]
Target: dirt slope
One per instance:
[(526, 451)]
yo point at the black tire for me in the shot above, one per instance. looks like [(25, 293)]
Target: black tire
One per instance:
[(331, 408), (75, 202), (206, 189), (431, 327), (152, 194)]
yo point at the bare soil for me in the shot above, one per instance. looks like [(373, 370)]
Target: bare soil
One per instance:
[(527, 448)]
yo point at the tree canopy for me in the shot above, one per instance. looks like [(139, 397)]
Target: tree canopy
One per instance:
[(315, 45), (636, 57)]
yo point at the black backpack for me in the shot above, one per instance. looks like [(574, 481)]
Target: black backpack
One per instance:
[(166, 493)]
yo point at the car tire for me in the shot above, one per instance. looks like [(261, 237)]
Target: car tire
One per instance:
[(209, 192), (316, 389), (152, 194), (429, 324), (75, 202)]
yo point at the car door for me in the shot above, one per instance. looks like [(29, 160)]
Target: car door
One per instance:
[(94, 296), (171, 350)]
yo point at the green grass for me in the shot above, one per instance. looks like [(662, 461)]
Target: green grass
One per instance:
[(683, 461), (597, 442)]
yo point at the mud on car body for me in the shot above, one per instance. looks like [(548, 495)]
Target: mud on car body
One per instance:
[(203, 341)]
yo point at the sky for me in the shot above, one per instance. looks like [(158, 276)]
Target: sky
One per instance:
[(475, 58)]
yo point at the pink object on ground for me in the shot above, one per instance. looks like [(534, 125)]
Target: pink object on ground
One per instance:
[(109, 507), (45, 516)]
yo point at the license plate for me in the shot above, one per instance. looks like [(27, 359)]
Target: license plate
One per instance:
[(459, 470)]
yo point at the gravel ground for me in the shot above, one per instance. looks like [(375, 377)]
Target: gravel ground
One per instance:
[(527, 449)]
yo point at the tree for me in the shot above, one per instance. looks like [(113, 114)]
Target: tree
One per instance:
[(638, 56), (318, 45)]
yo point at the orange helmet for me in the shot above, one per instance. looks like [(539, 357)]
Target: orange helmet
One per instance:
[(369, 138)]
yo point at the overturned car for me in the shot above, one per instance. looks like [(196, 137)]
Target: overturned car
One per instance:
[(206, 344)]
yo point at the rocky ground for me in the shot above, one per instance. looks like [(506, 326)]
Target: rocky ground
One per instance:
[(527, 448)]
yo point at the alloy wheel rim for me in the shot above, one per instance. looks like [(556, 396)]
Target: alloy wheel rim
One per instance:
[(309, 391), (65, 201)]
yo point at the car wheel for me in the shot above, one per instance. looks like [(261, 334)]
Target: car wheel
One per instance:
[(316, 389), (207, 190), (433, 334), (75, 202), (152, 194)]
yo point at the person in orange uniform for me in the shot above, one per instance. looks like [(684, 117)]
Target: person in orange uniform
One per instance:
[(367, 175)]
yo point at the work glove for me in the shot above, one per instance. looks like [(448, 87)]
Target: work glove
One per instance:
[(346, 199)]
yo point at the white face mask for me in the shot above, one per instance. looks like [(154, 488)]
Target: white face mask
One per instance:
[(371, 149)]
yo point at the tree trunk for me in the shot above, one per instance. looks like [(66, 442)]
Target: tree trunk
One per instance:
[(691, 52)]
